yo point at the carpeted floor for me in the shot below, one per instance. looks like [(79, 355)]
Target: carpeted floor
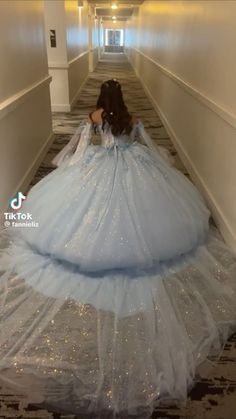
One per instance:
[(214, 393)]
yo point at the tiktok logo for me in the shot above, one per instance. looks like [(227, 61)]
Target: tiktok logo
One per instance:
[(18, 219), (16, 202)]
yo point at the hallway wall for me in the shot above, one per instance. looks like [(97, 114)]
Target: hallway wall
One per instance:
[(77, 46), (184, 54), (25, 114), (94, 27), (69, 61)]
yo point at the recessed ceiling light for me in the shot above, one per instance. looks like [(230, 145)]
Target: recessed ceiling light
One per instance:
[(113, 17)]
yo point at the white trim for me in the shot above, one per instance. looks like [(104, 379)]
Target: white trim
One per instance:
[(217, 213), (14, 101), (66, 107), (229, 117), (61, 108)]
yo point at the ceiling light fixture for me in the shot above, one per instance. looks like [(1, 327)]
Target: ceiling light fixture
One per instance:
[(113, 17), (114, 6)]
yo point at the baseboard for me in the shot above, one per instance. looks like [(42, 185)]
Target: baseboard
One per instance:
[(61, 108), (218, 215)]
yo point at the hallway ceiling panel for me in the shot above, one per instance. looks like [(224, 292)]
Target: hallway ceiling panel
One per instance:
[(109, 12), (123, 11), (120, 3)]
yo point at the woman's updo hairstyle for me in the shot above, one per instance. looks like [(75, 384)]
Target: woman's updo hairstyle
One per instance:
[(115, 113)]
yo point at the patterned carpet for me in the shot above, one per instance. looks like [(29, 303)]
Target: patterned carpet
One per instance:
[(214, 393)]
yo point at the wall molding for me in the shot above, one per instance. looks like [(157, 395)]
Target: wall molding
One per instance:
[(22, 96), (218, 215), (215, 107)]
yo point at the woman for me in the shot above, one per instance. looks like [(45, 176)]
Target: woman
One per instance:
[(112, 302)]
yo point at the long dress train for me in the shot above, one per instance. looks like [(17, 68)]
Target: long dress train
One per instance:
[(110, 304)]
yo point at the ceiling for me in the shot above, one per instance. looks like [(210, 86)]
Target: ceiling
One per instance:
[(123, 12)]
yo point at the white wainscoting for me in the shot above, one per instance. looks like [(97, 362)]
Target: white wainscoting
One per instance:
[(67, 80)]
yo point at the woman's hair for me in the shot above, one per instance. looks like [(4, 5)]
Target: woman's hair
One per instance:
[(115, 113)]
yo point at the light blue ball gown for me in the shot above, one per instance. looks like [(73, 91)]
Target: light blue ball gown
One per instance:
[(111, 303)]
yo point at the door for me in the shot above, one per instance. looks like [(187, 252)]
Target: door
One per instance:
[(114, 40)]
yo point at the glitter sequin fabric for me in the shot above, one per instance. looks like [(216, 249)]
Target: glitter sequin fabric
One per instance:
[(111, 303)]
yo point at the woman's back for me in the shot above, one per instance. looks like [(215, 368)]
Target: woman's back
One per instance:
[(104, 129), (95, 117)]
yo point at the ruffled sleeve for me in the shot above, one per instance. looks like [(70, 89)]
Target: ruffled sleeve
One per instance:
[(84, 141), (143, 137), (76, 146)]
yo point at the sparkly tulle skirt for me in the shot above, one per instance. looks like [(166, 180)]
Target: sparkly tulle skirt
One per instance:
[(111, 303)]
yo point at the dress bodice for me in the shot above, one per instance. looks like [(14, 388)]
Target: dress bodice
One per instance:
[(82, 138), (108, 140)]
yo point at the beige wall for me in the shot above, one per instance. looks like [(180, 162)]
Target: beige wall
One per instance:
[(25, 114), (68, 62), (77, 25), (22, 39), (93, 33), (101, 37), (93, 39), (184, 53), (76, 28)]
